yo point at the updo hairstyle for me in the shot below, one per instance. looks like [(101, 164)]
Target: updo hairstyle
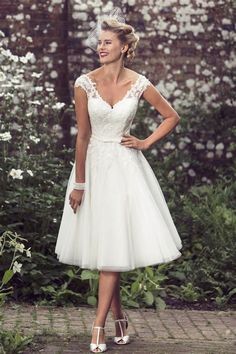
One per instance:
[(125, 33)]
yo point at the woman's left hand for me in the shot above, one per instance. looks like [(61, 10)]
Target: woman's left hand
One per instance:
[(133, 142)]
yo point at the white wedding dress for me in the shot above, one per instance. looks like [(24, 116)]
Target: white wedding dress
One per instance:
[(123, 221)]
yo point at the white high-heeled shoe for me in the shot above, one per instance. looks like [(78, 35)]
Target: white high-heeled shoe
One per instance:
[(98, 347), (123, 339)]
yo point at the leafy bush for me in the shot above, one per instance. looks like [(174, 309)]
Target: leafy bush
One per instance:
[(11, 341)]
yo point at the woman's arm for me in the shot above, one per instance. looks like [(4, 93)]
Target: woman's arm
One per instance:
[(83, 135), (84, 132), (171, 117)]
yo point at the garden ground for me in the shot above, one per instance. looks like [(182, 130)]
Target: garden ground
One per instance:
[(66, 330)]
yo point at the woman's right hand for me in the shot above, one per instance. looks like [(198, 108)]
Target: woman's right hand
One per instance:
[(75, 198)]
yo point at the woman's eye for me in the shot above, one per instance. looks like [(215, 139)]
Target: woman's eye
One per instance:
[(99, 43)]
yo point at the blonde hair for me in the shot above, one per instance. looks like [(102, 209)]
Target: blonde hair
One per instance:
[(125, 33)]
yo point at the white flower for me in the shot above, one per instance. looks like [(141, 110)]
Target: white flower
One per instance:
[(16, 174), (30, 172), (34, 139), (169, 146), (220, 146), (73, 130), (219, 153), (12, 243), (30, 56), (17, 267), (181, 145), (210, 155), (185, 164), (154, 152), (229, 154), (190, 83), (199, 146), (23, 60), (58, 105), (19, 17), (187, 139), (53, 74), (20, 247), (2, 76), (191, 172), (37, 103), (171, 174), (37, 75), (206, 72), (28, 253), (210, 145), (5, 136)]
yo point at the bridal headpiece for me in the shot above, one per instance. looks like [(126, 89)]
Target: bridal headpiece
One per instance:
[(93, 35)]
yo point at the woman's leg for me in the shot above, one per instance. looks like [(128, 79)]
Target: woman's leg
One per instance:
[(116, 302), (116, 309), (107, 284)]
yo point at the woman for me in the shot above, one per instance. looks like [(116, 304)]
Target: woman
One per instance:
[(118, 219)]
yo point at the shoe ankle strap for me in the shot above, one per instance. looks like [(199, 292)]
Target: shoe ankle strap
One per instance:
[(122, 319), (99, 327)]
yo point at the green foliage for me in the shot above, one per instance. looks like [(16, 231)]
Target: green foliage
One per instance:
[(13, 342), (11, 243), (144, 287)]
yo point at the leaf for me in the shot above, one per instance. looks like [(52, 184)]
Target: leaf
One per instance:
[(160, 303), (148, 298), (178, 275), (92, 300), (133, 303), (70, 273), (48, 289), (87, 274), (134, 287), (231, 293), (149, 271), (7, 276)]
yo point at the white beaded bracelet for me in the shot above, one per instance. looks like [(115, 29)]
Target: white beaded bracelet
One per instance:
[(79, 186)]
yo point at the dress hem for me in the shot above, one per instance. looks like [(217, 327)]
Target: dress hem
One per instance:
[(120, 269)]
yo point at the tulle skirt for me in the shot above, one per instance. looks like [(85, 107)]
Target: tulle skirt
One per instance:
[(123, 221)]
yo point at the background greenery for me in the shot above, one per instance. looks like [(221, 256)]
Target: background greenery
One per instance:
[(194, 166)]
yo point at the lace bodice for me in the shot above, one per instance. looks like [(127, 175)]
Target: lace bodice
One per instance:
[(111, 122)]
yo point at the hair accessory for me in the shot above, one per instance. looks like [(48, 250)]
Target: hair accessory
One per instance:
[(92, 39)]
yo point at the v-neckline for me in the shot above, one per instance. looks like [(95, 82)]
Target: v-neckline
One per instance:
[(115, 104)]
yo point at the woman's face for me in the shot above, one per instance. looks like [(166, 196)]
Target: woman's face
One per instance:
[(109, 47)]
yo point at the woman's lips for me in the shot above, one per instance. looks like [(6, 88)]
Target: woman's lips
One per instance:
[(103, 54)]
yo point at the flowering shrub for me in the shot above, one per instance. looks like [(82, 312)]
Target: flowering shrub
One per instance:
[(198, 152), (11, 341), (33, 169), (11, 242)]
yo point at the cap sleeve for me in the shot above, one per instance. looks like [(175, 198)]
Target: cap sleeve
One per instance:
[(142, 85), (86, 84), (81, 81)]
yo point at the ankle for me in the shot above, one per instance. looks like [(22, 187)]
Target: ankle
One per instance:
[(118, 315)]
